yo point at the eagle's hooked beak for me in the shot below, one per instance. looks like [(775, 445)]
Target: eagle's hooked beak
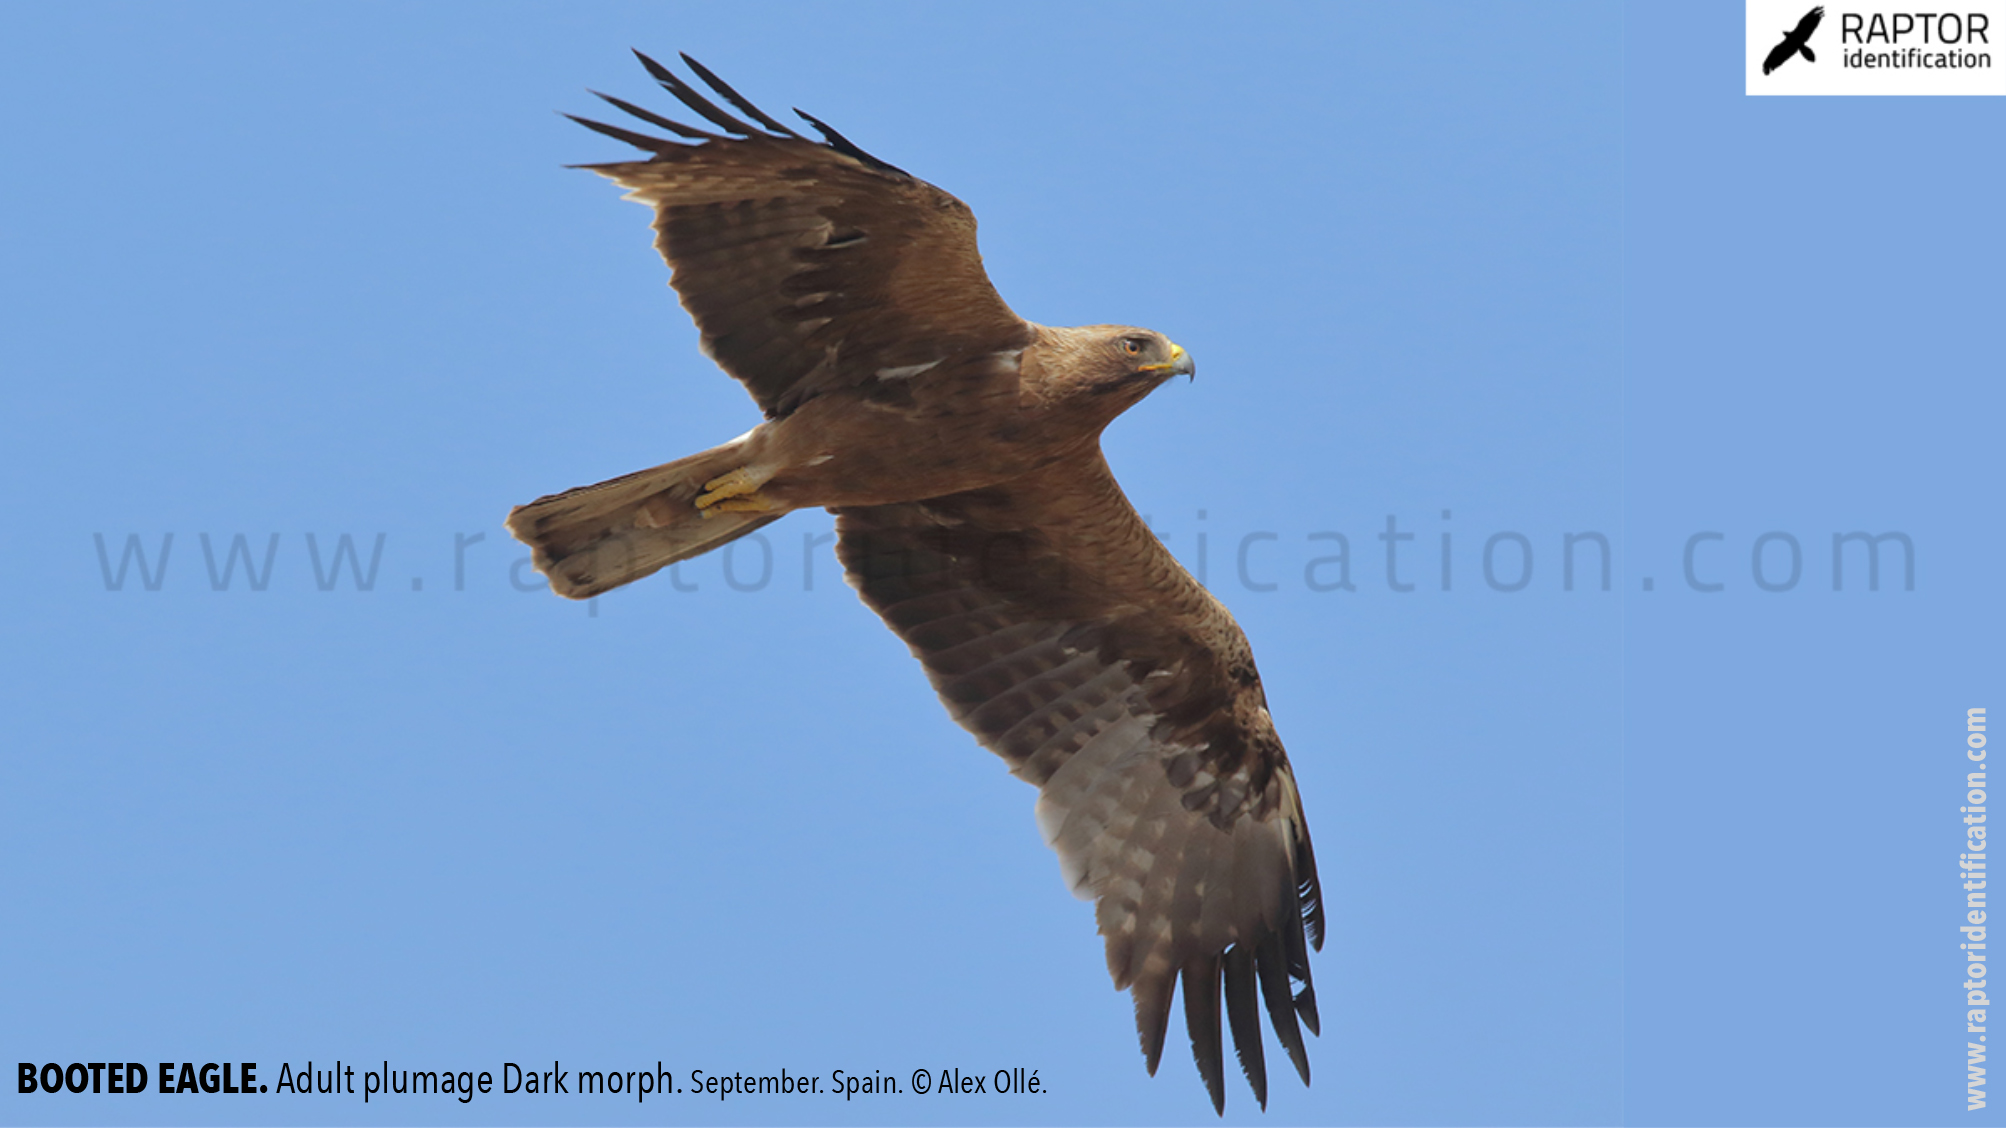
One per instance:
[(1180, 363)]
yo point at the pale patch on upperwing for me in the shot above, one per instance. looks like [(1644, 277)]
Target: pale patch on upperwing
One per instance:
[(905, 372)]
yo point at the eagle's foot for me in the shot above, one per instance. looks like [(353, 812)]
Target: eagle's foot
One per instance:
[(744, 504), (736, 493)]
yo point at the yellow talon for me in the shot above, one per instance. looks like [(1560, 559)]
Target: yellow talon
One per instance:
[(737, 492), (753, 503)]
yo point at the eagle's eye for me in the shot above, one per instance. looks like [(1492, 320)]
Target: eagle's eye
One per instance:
[(1131, 346)]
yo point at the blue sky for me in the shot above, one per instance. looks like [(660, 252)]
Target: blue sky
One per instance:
[(1644, 854)]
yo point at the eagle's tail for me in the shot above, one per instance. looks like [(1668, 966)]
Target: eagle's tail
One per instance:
[(596, 538)]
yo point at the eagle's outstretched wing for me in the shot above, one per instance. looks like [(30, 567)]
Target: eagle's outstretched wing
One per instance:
[(807, 265), (1060, 632)]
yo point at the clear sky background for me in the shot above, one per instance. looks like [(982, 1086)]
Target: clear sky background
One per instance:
[(1640, 854)]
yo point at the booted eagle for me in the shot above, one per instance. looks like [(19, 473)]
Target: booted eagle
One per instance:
[(958, 446)]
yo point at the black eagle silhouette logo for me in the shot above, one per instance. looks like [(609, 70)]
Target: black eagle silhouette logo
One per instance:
[(1795, 41)]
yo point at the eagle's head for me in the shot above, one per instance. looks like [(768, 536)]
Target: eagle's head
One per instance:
[(1103, 370), (1145, 357)]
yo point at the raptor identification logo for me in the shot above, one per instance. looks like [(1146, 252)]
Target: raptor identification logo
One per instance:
[(1905, 47)]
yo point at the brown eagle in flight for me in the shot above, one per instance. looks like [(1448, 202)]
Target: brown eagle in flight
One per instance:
[(958, 446)]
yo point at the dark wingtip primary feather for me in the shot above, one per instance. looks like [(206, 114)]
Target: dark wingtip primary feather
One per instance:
[(655, 119), (637, 140), (688, 96), (657, 71), (844, 145), (1272, 963), (1306, 1009), (743, 104), (1152, 1018), (1201, 1018), (1244, 1015), (1309, 920), (1309, 892)]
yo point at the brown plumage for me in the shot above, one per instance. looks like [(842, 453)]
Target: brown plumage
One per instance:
[(959, 447)]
